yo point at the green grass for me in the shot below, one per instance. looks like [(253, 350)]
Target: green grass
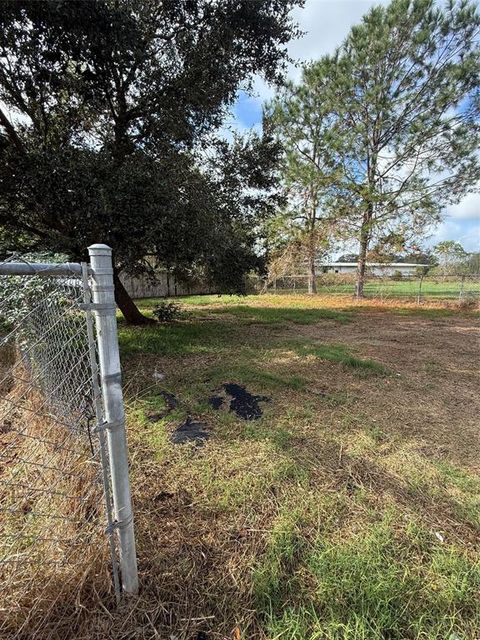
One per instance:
[(198, 333), (189, 337), (458, 477), (317, 521), (464, 490), (199, 300), (342, 355), (281, 315), (249, 375), (382, 582), (431, 289)]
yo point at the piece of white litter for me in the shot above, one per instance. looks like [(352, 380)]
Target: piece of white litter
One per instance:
[(439, 536), (158, 376)]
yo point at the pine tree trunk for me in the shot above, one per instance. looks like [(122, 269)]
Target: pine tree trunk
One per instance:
[(362, 264), (312, 245), (130, 311), (312, 280)]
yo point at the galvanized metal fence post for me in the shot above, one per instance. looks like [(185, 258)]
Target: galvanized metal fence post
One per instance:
[(419, 296), (98, 405), (110, 378)]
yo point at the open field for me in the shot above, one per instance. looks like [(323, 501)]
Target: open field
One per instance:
[(430, 288), (348, 511)]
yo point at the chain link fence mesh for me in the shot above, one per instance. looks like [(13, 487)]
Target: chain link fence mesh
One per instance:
[(53, 546), (460, 287)]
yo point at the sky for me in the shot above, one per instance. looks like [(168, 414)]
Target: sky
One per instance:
[(326, 23)]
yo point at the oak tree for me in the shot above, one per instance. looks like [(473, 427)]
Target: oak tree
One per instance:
[(105, 111)]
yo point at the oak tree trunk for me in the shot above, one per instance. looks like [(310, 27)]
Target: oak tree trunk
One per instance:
[(130, 311)]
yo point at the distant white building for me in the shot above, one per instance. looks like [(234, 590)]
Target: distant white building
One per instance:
[(373, 268)]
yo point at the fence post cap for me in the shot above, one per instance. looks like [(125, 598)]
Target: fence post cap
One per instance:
[(99, 250), (99, 247)]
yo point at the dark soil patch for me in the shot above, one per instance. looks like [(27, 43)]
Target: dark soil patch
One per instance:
[(190, 431), (170, 401), (243, 403), (215, 401)]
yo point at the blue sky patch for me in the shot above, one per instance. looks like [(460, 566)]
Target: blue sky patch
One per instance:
[(247, 110)]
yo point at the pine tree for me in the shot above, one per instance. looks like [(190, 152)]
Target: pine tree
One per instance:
[(401, 100), (300, 120)]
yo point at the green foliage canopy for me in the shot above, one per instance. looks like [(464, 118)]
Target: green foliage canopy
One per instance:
[(114, 105)]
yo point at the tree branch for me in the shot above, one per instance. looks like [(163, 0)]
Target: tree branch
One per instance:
[(11, 133)]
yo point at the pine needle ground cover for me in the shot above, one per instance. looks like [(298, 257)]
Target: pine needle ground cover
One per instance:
[(348, 510)]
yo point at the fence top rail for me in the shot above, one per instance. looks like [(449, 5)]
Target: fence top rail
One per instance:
[(40, 269)]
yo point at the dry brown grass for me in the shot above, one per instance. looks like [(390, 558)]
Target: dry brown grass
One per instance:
[(329, 457), (327, 301), (54, 561), (433, 395)]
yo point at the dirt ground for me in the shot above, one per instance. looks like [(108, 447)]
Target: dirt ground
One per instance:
[(436, 362)]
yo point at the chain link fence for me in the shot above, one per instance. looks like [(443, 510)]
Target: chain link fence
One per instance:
[(417, 288), (58, 538)]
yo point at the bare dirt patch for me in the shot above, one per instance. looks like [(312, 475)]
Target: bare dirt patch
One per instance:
[(433, 392)]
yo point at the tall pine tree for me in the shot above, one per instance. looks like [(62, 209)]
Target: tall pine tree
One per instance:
[(400, 99)]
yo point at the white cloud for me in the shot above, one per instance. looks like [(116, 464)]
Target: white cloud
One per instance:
[(326, 24), (467, 209), (461, 223), (467, 233)]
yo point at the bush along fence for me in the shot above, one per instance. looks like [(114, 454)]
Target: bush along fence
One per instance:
[(62, 435)]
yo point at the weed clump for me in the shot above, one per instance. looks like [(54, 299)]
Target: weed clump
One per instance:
[(468, 303), (167, 311)]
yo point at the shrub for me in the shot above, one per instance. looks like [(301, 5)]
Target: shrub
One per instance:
[(167, 311), (468, 302), (397, 275)]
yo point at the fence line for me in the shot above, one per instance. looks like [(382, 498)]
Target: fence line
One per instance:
[(163, 285), (65, 521), (419, 288)]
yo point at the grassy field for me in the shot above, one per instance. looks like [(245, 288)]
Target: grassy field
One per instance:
[(431, 288), (348, 511)]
